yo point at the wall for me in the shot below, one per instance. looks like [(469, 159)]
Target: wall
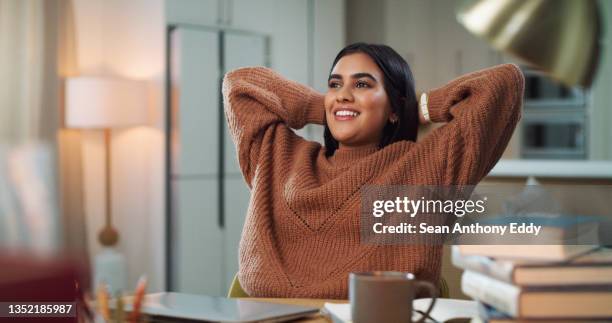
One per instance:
[(366, 21), (126, 39)]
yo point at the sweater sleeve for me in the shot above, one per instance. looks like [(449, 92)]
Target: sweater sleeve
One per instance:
[(257, 98), (481, 109)]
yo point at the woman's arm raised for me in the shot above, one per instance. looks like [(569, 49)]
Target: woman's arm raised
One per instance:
[(481, 110), (257, 98)]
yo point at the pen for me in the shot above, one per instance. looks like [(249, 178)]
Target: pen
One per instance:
[(82, 303), (102, 297), (120, 314), (138, 296)]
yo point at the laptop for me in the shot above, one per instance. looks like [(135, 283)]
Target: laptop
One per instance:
[(180, 307)]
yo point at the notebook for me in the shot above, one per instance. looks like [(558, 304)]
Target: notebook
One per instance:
[(201, 308), (446, 309)]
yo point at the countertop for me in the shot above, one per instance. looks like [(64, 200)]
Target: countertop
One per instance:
[(590, 169)]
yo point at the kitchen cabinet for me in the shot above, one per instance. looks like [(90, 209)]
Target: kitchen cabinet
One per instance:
[(289, 47), (205, 183), (196, 75), (196, 200), (198, 12)]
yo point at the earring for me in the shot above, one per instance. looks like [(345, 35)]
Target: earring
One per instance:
[(393, 119)]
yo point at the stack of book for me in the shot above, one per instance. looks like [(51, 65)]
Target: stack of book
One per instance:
[(542, 283)]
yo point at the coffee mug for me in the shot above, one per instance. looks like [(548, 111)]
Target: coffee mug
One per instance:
[(386, 296)]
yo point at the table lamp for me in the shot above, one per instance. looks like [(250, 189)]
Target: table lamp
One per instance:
[(106, 103)]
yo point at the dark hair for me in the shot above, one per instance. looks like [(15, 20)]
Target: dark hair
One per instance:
[(399, 86)]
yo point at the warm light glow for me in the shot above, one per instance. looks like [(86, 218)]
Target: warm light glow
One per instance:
[(105, 102), (482, 16)]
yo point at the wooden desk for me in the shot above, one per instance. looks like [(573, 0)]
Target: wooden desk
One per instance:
[(317, 318)]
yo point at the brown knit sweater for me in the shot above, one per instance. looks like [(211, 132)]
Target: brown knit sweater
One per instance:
[(301, 235)]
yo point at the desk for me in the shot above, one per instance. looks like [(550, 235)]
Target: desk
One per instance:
[(446, 309), (317, 318)]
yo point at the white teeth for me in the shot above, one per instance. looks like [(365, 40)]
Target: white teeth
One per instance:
[(347, 113)]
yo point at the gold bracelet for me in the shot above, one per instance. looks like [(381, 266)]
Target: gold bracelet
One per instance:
[(424, 109)]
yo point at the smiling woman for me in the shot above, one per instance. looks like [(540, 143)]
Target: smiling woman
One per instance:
[(301, 237)]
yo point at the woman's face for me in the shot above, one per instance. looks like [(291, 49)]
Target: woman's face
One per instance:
[(356, 104)]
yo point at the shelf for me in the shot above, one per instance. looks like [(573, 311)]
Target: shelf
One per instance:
[(592, 169)]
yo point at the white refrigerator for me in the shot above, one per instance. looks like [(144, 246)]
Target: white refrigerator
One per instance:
[(207, 197)]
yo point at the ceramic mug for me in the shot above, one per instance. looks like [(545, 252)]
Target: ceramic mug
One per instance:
[(386, 296)]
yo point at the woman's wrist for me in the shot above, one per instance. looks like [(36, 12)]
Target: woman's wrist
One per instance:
[(438, 108), (315, 108)]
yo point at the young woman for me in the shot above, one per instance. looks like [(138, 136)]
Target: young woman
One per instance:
[(301, 237)]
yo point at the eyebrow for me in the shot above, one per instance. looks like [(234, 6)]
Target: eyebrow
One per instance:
[(354, 76)]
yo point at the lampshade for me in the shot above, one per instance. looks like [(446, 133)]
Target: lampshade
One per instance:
[(105, 102), (559, 37)]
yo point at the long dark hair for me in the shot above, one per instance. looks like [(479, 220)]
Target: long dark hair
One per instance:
[(399, 86)]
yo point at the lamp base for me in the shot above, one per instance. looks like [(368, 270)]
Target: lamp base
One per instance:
[(110, 268)]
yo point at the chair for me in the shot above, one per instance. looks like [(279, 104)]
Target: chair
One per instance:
[(236, 290)]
